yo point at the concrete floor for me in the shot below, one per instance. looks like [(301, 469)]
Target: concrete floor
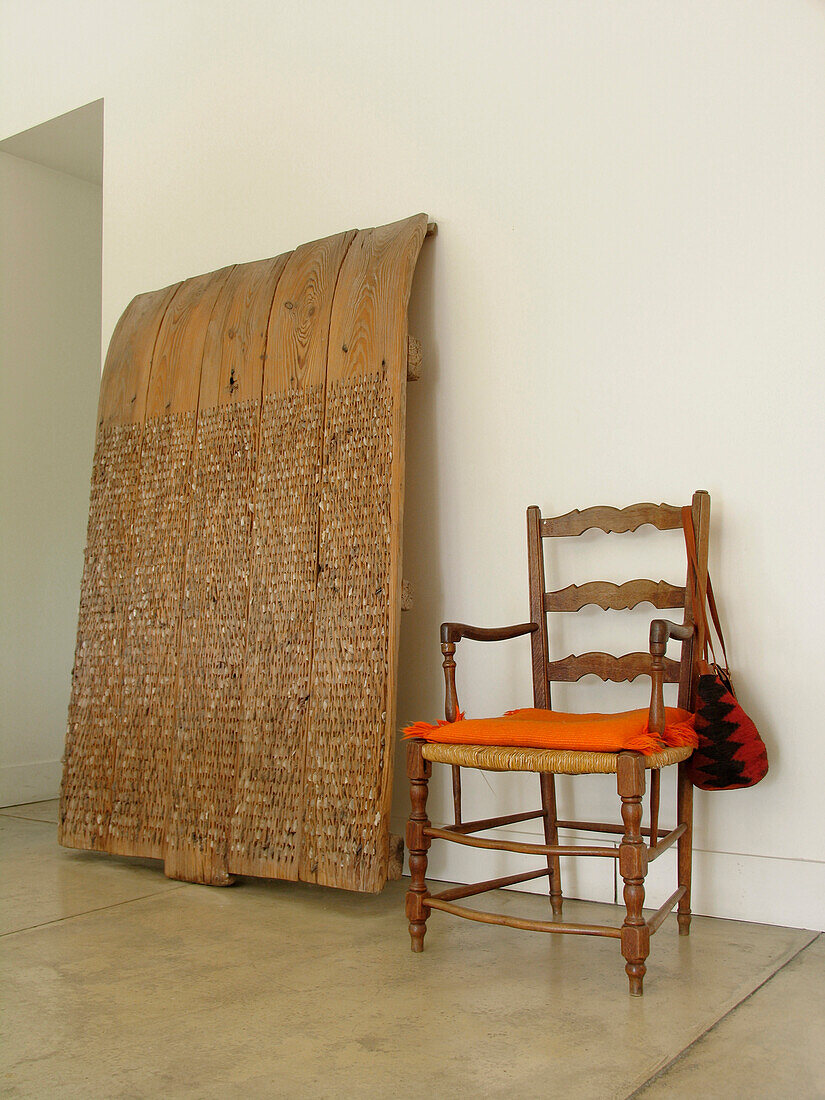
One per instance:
[(117, 982)]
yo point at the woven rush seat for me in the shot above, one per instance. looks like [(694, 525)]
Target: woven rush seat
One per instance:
[(504, 758)]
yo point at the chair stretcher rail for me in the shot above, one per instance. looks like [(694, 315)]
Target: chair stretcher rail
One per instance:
[(513, 846), (660, 914), (521, 922), (494, 822), (471, 888), (655, 850), (598, 827)]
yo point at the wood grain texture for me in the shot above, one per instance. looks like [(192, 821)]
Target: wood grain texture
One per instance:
[(267, 821), (236, 340), (352, 694), (125, 380), (665, 517), (208, 699), (94, 705), (174, 385), (142, 774), (615, 597), (607, 667)]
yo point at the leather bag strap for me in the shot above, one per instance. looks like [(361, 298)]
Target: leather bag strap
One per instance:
[(704, 594)]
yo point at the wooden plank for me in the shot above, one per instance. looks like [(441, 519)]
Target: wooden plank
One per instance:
[(607, 667), (351, 724), (615, 597), (125, 380), (208, 702), (267, 823), (85, 797), (141, 779), (666, 517)]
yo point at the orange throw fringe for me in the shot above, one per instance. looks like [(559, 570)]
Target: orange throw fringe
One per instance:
[(548, 729)]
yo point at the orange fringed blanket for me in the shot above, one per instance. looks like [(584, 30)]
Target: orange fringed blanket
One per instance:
[(548, 729)]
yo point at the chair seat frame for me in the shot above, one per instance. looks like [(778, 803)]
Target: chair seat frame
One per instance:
[(639, 845)]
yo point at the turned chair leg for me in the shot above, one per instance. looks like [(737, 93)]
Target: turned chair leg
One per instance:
[(684, 809), (419, 771), (633, 866), (551, 836)]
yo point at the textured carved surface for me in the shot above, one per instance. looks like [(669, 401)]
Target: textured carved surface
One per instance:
[(617, 597), (616, 520), (96, 678), (266, 828), (214, 616), (105, 588), (608, 667), (346, 809), (212, 643), (348, 699), (142, 772), (142, 779)]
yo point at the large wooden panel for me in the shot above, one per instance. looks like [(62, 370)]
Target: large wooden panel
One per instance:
[(233, 698), (267, 825), (351, 725), (159, 531), (208, 698), (94, 707)]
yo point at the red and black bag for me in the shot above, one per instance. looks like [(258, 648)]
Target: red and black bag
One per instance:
[(731, 754)]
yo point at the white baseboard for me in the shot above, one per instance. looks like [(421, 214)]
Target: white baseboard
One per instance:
[(36, 782), (761, 889)]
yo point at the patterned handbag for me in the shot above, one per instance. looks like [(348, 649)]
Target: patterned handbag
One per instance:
[(731, 754)]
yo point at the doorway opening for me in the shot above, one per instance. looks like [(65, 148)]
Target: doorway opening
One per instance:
[(51, 209)]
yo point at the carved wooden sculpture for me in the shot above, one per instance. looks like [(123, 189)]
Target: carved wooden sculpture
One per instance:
[(233, 695)]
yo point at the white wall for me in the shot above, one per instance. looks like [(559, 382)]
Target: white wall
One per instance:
[(624, 301), (50, 278)]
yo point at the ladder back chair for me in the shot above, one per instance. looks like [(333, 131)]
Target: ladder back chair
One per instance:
[(639, 845)]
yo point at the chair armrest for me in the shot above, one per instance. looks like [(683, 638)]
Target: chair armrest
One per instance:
[(451, 633), (661, 631), (454, 632)]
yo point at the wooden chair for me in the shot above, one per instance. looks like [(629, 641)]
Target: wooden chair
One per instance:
[(639, 845)]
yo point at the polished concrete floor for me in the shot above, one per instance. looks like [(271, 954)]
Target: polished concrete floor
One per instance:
[(116, 982)]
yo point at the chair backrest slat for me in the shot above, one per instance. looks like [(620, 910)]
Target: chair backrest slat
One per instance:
[(607, 667), (612, 520), (611, 596), (615, 597)]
